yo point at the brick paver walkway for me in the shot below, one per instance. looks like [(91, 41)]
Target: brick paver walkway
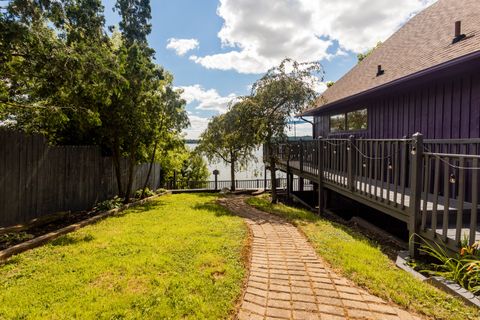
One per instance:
[(288, 280)]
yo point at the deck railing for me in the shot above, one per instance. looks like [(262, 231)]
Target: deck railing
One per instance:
[(450, 197), (432, 185)]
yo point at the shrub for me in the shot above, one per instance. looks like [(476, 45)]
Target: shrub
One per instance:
[(148, 193), (110, 204), (463, 268)]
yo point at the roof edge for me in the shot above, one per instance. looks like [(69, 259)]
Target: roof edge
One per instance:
[(395, 82)]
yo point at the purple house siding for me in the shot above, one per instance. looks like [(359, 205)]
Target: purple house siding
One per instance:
[(446, 107)]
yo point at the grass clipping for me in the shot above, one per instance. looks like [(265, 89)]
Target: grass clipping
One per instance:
[(362, 261)]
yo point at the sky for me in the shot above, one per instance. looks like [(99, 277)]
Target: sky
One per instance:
[(216, 49)]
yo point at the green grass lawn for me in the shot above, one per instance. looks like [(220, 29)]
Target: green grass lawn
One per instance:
[(357, 258), (181, 256)]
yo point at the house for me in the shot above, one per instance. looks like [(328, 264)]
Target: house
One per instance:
[(424, 78)]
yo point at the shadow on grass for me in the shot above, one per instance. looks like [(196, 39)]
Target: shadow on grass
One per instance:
[(148, 206), (68, 239), (203, 194), (214, 207)]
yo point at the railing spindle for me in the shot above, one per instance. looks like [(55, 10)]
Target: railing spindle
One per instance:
[(446, 195), (461, 198), (474, 210), (436, 187)]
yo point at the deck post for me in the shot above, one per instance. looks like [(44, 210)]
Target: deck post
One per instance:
[(301, 184), (351, 163), (415, 218), (321, 199)]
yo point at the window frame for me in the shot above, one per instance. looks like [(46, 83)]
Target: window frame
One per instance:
[(330, 122), (345, 125)]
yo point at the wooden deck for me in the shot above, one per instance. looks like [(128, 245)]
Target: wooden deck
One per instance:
[(438, 198)]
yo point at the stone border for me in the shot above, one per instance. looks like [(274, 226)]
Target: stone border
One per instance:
[(441, 283), (43, 239), (402, 263), (454, 289)]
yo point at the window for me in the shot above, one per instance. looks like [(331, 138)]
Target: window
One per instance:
[(337, 123), (357, 120), (350, 121)]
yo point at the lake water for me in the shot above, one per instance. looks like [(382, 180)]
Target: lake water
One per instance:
[(254, 170)]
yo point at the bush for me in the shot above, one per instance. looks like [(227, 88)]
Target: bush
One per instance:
[(110, 204), (148, 193), (463, 268)]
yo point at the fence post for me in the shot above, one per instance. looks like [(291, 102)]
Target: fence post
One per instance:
[(320, 175), (301, 184), (265, 178), (351, 163), (300, 148), (174, 180), (288, 177), (415, 218), (216, 173)]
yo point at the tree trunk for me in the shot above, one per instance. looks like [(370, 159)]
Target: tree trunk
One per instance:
[(118, 169), (149, 169), (131, 171), (232, 175)]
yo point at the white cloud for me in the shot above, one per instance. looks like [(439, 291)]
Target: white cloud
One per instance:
[(206, 99), (359, 24), (261, 33), (197, 126), (182, 46)]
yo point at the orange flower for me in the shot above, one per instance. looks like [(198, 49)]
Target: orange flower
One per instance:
[(463, 251)]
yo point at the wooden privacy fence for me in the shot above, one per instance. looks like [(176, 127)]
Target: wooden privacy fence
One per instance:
[(37, 179), (432, 185)]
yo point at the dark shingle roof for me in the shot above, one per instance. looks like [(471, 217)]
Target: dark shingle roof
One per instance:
[(422, 43)]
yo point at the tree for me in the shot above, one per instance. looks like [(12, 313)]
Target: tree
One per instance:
[(362, 56), (230, 138), (280, 94), (61, 75), (167, 123), (184, 165), (128, 125), (57, 70)]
